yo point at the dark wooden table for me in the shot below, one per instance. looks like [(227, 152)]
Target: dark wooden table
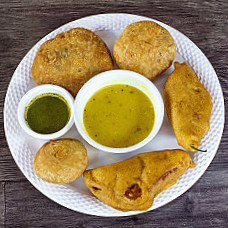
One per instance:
[(23, 23)]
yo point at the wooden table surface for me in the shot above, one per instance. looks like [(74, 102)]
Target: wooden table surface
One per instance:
[(23, 23)]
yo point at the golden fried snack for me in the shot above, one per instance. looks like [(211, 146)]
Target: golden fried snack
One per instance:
[(61, 161), (188, 106), (71, 59), (146, 48), (132, 184)]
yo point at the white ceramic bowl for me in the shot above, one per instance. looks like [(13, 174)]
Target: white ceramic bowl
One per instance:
[(118, 77), (38, 91)]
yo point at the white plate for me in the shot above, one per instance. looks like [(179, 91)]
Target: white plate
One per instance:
[(75, 195)]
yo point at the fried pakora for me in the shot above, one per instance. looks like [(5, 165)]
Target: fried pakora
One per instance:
[(71, 59), (61, 161), (188, 106), (146, 48), (132, 184)]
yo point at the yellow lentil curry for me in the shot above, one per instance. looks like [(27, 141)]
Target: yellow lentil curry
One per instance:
[(118, 116)]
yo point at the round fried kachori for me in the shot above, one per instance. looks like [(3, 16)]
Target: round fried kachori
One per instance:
[(70, 59), (61, 160), (146, 48)]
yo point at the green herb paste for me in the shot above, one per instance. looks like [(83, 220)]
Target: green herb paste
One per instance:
[(47, 113)]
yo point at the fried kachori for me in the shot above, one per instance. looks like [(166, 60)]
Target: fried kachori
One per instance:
[(188, 106), (132, 184), (61, 161), (70, 59), (146, 48)]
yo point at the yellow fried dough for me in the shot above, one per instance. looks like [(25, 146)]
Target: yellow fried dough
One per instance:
[(188, 106), (61, 160), (146, 48), (71, 59), (132, 184)]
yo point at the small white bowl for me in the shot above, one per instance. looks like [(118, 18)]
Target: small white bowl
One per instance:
[(118, 77), (38, 91)]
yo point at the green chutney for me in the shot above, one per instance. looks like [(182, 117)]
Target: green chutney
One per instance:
[(47, 113)]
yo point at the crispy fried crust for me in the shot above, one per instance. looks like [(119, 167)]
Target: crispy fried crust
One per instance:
[(188, 106), (71, 59), (61, 160), (146, 48), (133, 183)]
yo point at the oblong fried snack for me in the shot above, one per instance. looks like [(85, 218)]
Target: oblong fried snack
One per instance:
[(132, 184), (188, 106), (61, 160), (146, 48), (70, 59)]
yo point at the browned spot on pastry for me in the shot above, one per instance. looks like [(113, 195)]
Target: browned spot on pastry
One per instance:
[(95, 188), (133, 192), (163, 177)]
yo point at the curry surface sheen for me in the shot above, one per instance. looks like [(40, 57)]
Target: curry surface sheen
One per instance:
[(118, 116)]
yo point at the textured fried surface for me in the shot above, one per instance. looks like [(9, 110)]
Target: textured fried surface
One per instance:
[(188, 106), (133, 183), (61, 160), (146, 48), (71, 59)]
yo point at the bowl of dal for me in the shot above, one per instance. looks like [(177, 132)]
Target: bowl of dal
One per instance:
[(118, 111)]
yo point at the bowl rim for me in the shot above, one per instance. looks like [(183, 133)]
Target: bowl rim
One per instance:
[(36, 91), (129, 75)]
